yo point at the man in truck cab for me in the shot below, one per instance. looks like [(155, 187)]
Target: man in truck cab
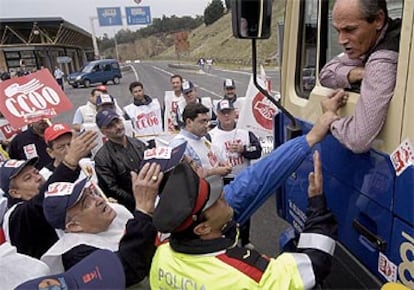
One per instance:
[(371, 42)]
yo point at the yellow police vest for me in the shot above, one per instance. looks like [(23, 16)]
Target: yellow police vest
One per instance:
[(3, 154), (220, 270)]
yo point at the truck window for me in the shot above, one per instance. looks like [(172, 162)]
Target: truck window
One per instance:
[(307, 39), (331, 42)]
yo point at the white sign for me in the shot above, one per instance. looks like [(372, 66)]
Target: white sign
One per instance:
[(402, 157), (63, 59), (257, 114)]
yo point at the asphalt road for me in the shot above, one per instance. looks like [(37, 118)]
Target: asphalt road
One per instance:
[(155, 76)]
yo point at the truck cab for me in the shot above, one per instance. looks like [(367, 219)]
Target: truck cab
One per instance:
[(373, 205)]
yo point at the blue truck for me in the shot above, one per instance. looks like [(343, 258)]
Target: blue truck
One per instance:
[(373, 204)]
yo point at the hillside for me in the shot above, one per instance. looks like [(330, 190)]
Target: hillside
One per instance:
[(214, 41)]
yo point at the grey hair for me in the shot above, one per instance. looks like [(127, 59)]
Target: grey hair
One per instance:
[(369, 9)]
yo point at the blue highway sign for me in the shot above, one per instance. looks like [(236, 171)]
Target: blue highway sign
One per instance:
[(138, 15), (109, 16)]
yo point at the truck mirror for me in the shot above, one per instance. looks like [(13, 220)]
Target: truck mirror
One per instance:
[(251, 19)]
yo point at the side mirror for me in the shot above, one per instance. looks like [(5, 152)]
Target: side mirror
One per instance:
[(251, 19)]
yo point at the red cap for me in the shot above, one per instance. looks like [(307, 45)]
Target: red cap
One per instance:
[(55, 131), (2, 236)]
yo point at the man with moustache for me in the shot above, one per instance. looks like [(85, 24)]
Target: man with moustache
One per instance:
[(117, 158), (371, 42), (230, 94)]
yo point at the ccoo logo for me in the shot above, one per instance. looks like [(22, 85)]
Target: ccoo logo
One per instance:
[(263, 111)]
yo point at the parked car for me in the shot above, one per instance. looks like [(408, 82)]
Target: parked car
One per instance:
[(98, 71)]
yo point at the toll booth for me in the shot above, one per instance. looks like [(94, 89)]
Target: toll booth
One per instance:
[(35, 43)]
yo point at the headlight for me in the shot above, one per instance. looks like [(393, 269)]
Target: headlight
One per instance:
[(78, 78)]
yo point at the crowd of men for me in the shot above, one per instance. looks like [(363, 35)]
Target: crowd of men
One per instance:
[(80, 209), (66, 206)]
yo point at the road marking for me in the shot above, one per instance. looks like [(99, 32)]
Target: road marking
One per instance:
[(135, 72), (235, 72), (211, 92), (201, 88), (162, 70)]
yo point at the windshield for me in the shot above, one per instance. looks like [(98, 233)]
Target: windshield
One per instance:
[(87, 68)]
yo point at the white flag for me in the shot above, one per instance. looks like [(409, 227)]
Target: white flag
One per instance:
[(257, 114)]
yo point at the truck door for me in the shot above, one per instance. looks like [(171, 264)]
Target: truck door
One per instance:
[(360, 188), (107, 73), (402, 242), (97, 74)]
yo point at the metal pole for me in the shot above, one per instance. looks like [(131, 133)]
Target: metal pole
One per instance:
[(116, 46), (95, 43)]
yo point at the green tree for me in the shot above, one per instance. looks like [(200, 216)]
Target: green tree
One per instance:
[(105, 42), (213, 12), (169, 25)]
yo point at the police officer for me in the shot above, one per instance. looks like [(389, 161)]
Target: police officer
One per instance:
[(201, 250)]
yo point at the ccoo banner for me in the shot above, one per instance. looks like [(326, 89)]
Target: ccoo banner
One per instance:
[(27, 99), (258, 113)]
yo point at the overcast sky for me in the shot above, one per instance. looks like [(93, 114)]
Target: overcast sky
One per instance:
[(79, 11)]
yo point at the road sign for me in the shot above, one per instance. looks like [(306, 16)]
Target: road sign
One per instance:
[(63, 59), (138, 15), (109, 16)]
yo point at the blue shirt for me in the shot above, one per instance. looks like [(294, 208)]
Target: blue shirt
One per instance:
[(189, 151)]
